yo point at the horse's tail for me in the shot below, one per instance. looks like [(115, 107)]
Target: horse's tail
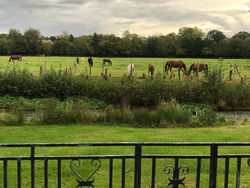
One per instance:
[(206, 67), (10, 59)]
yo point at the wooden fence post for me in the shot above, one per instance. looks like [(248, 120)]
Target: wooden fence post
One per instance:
[(197, 73), (106, 74), (102, 68), (179, 74), (41, 70), (230, 75)]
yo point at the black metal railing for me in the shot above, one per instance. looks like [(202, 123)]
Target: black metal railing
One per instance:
[(176, 172)]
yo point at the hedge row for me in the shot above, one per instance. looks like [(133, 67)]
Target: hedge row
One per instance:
[(212, 89)]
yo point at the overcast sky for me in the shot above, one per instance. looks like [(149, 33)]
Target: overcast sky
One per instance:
[(145, 17)]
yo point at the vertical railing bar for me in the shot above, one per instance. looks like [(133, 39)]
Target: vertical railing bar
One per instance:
[(226, 172), (5, 173), (238, 172), (110, 172), (32, 155), (137, 173), (176, 171), (153, 172), (198, 175), (213, 165), (59, 173), (19, 176), (46, 173), (123, 171)]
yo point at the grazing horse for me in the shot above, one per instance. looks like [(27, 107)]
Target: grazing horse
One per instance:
[(106, 61), (151, 69), (15, 57), (131, 68), (90, 60), (175, 64), (198, 67)]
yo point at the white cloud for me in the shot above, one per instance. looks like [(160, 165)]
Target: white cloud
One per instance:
[(145, 17)]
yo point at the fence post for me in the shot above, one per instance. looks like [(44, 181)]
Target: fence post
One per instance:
[(213, 165), (137, 173), (41, 71), (102, 68), (230, 75), (106, 74), (179, 74)]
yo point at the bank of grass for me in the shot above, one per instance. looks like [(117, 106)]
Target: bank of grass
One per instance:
[(97, 133)]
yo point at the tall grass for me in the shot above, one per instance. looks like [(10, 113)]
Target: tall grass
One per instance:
[(167, 114)]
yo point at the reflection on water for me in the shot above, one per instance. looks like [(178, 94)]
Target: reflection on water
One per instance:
[(237, 116)]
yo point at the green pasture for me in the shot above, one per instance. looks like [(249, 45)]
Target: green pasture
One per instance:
[(119, 66), (97, 133)]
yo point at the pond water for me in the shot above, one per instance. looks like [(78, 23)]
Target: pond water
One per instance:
[(237, 116)]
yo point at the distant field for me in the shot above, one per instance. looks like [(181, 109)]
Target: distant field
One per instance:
[(119, 66), (97, 133)]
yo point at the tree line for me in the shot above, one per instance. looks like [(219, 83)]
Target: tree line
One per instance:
[(189, 42)]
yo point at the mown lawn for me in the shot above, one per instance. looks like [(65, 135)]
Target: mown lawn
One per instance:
[(119, 66), (97, 133)]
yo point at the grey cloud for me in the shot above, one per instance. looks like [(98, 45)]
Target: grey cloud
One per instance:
[(113, 16)]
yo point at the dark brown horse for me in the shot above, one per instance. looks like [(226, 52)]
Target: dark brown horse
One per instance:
[(15, 57), (198, 67), (106, 61), (151, 69), (175, 64), (90, 60)]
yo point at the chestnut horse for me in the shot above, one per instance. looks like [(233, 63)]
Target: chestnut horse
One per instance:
[(198, 67), (151, 69), (175, 64), (107, 61), (15, 57)]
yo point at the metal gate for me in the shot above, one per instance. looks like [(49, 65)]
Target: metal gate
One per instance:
[(176, 173)]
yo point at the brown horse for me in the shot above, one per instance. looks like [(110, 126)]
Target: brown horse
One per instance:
[(151, 69), (198, 67), (106, 61), (15, 57), (175, 64)]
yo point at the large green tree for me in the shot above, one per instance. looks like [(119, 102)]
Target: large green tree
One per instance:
[(190, 41), (33, 42)]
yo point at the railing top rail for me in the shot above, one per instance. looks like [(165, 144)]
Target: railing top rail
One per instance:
[(126, 144)]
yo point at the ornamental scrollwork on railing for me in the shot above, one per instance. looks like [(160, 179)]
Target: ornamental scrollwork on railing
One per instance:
[(176, 171), (74, 164)]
